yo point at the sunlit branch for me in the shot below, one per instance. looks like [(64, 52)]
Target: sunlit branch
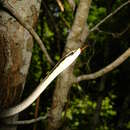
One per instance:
[(105, 70), (60, 5), (28, 27)]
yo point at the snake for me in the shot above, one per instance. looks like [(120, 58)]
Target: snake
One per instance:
[(65, 62)]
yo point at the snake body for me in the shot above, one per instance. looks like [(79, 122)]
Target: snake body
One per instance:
[(62, 65)]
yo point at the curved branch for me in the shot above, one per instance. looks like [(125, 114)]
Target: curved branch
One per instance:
[(114, 34), (108, 16), (27, 27), (105, 70), (27, 122)]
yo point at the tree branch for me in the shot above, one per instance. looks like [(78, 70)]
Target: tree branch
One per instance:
[(27, 27), (105, 70), (27, 122), (114, 34), (60, 5), (108, 16), (65, 80)]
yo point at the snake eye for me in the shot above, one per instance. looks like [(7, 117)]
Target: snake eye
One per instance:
[(70, 53), (73, 51)]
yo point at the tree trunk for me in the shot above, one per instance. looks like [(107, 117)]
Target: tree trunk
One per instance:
[(64, 82), (15, 51)]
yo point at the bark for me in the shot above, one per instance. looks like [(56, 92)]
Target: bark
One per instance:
[(64, 82), (15, 52)]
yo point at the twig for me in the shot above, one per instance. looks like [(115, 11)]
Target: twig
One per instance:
[(60, 5), (27, 122), (115, 34), (28, 27), (105, 70), (108, 16)]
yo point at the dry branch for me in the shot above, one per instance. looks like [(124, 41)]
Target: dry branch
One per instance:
[(105, 70)]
